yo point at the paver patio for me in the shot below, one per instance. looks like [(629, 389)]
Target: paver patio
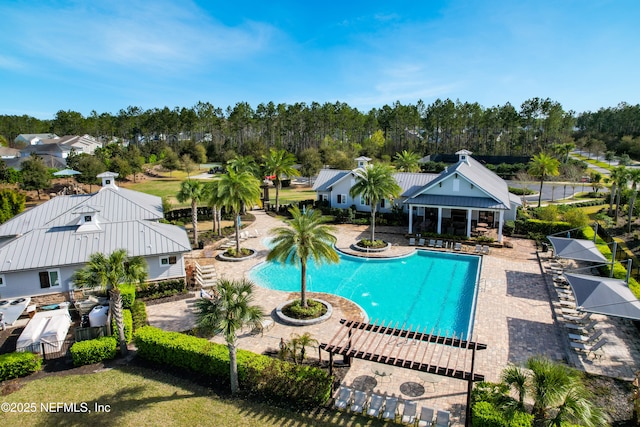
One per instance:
[(515, 317)]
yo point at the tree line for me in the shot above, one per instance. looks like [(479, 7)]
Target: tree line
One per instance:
[(443, 126)]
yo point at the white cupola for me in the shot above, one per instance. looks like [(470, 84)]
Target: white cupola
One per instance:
[(108, 179), (463, 156), (362, 161)]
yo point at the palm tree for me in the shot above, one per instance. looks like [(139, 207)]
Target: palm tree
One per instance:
[(618, 177), (375, 183), (244, 164), (215, 203), (280, 163), (542, 166), (307, 236), (109, 272), (235, 190), (633, 176), (407, 161), (193, 191), (558, 393), (301, 342), (228, 313)]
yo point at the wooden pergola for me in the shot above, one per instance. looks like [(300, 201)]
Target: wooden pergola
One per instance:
[(419, 351)]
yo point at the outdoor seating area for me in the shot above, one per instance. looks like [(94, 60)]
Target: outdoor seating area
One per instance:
[(377, 405)]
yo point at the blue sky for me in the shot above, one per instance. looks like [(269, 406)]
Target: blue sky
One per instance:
[(108, 55)]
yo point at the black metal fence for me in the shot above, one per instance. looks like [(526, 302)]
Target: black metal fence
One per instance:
[(51, 350), (620, 254)]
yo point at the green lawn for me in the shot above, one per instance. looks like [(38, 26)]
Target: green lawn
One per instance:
[(142, 397)]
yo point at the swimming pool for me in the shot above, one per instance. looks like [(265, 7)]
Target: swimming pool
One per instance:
[(427, 289)]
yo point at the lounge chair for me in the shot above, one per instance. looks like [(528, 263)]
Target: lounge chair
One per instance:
[(585, 339), (432, 243), (412, 241), (576, 319), (375, 405), (438, 244), (485, 250), (343, 398), (390, 408), (409, 412), (588, 349), (421, 242), (359, 399), (478, 249), (457, 246), (443, 419), (581, 327), (426, 417)]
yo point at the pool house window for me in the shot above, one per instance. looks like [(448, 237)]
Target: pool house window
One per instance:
[(49, 278), (2, 281), (166, 260), (342, 199)]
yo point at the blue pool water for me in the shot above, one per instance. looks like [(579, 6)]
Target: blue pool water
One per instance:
[(427, 289)]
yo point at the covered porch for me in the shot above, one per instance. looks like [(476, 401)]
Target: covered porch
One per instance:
[(455, 219)]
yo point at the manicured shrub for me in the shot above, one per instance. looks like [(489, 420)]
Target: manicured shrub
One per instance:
[(19, 364), (139, 314), (127, 319), (259, 375), (128, 295), (93, 351), (161, 289)]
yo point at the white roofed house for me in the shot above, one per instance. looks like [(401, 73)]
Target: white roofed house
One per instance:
[(41, 248), (452, 202)]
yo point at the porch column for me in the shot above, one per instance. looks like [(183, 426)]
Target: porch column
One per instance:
[(469, 212), (500, 221), (410, 219), (439, 230)]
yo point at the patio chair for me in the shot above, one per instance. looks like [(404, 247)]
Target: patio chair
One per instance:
[(426, 417), (390, 408), (438, 244), (409, 412), (581, 327), (457, 246), (478, 249), (412, 241), (485, 250), (443, 419), (359, 399), (375, 405), (421, 242), (576, 318), (432, 243), (586, 338), (588, 349), (343, 398)]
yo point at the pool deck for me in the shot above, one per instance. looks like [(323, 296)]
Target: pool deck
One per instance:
[(515, 316)]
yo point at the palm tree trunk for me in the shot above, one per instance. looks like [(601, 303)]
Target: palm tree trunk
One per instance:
[(194, 221), (116, 310), (540, 193), (631, 206), (233, 368), (237, 233), (373, 221), (303, 283), (278, 186), (618, 193), (218, 219), (612, 196)]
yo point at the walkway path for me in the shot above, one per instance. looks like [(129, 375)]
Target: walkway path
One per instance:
[(514, 317)]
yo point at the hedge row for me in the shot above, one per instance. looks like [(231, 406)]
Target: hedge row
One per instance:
[(128, 295), (538, 226), (139, 314), (19, 364), (164, 288), (486, 415), (93, 351), (259, 375)]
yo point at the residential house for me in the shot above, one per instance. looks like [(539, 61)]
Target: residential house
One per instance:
[(41, 248), (453, 202), (32, 138), (80, 144)]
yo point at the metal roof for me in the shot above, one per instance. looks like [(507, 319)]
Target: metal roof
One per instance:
[(55, 246), (327, 178), (457, 201)]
